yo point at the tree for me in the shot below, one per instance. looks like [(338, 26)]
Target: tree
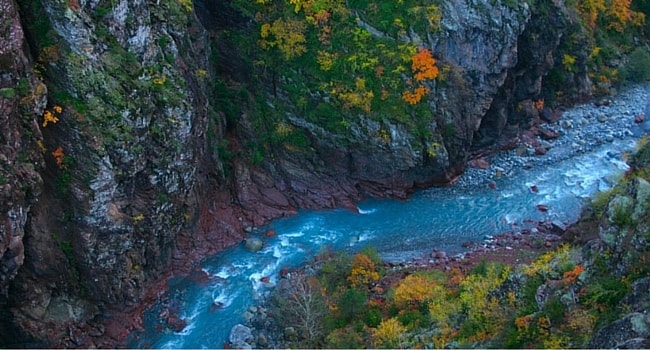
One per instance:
[(424, 65), (288, 36), (389, 333), (415, 290), (364, 271), (300, 304)]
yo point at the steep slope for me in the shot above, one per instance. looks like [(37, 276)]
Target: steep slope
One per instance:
[(141, 136)]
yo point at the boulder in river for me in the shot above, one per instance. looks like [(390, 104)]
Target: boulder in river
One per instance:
[(254, 244)]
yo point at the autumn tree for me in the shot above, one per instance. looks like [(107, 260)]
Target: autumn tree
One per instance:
[(287, 35), (364, 272), (415, 290), (620, 14), (388, 334), (424, 68), (424, 65), (617, 13)]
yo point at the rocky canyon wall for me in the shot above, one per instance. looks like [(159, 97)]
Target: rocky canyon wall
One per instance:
[(121, 165)]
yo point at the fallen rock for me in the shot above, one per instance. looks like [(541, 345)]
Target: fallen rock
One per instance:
[(547, 134), (176, 323), (542, 207), (480, 163), (239, 337), (603, 102), (639, 118), (254, 244)]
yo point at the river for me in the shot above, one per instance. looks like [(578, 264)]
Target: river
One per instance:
[(587, 158)]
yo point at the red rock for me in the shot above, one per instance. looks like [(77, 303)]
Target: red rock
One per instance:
[(547, 134), (492, 185), (270, 233), (265, 279), (176, 323), (534, 188), (480, 163), (542, 207), (639, 118), (540, 150), (284, 273)]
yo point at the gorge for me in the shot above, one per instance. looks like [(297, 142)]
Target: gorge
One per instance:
[(140, 137), (433, 220)]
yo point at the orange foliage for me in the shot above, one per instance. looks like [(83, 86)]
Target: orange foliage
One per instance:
[(523, 322), (570, 277), (539, 104), (49, 117), (415, 96), (424, 65), (58, 157)]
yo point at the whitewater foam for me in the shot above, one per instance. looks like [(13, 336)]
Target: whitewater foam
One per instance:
[(366, 211)]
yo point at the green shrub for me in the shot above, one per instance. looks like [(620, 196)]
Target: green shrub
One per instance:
[(637, 69), (7, 92)]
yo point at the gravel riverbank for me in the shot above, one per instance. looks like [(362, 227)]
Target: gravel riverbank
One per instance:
[(579, 129)]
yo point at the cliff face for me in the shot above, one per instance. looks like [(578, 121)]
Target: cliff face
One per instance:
[(128, 165)]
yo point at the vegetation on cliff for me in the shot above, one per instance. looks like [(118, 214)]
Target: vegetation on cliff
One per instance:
[(160, 130)]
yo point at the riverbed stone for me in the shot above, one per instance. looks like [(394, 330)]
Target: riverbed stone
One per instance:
[(240, 336), (254, 244)]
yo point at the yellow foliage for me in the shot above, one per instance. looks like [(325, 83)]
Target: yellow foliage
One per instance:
[(475, 288), (283, 129), (201, 73), (432, 150), (287, 35), (523, 323), (388, 333), (298, 4), (568, 62), (542, 265), (364, 271), (620, 15), (159, 80), (590, 10), (138, 218), (441, 308), (186, 4), (49, 117), (414, 290), (555, 341), (581, 321), (41, 146), (384, 135), (358, 98)]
